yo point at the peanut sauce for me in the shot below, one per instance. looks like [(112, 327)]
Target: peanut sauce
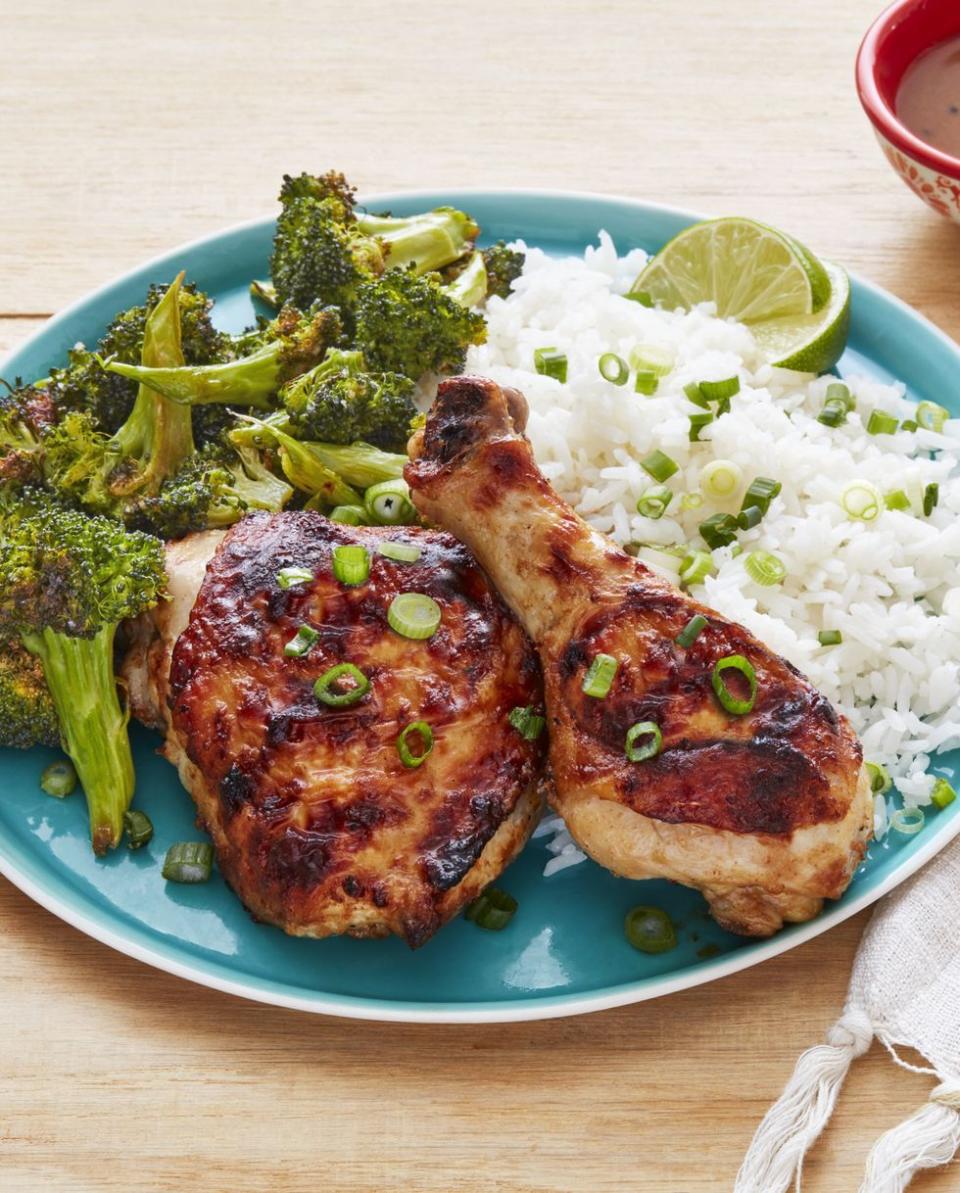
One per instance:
[(928, 101)]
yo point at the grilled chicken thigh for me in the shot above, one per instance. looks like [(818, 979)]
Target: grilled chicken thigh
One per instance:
[(767, 813), (318, 824)]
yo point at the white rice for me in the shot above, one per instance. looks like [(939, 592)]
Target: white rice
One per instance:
[(891, 586)]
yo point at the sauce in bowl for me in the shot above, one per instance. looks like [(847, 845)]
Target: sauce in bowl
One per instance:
[(928, 100)]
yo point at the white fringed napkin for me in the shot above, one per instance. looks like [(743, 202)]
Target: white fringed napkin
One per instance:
[(905, 992)]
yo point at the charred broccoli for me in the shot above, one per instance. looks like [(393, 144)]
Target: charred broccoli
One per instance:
[(27, 715), (504, 265), (66, 581), (25, 414)]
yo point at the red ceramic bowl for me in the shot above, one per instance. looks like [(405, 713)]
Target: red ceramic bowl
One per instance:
[(893, 42)]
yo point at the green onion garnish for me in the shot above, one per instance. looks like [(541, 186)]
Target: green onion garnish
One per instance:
[(613, 368), (649, 358), (720, 391), (896, 499), (398, 552), (646, 382), (880, 423), (649, 747), (691, 631), (695, 567), (655, 501), (351, 564), (931, 495), (695, 394), (349, 515), (659, 466), (188, 861), (860, 501), (829, 637), (908, 821), (138, 827), (691, 501), (493, 910), (833, 414), (838, 392), (301, 642), (736, 705), (697, 423), (527, 722), (417, 729), (600, 676), (550, 363), (765, 568), (719, 530), (880, 780), (760, 492), (750, 517), (650, 930), (942, 795), (931, 417), (287, 577), (908, 424), (720, 478), (414, 615), (330, 690), (389, 504), (59, 779)]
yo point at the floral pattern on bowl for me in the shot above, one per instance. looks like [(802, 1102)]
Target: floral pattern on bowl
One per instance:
[(941, 192)]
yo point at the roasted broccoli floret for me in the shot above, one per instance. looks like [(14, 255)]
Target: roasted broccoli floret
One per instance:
[(504, 265), (27, 715), (66, 582), (340, 401), (303, 466), (412, 326), (273, 355), (25, 413)]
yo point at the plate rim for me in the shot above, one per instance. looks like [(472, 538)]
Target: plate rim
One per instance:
[(215, 975)]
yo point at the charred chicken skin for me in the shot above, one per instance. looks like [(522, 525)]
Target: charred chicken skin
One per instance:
[(319, 825), (768, 812)]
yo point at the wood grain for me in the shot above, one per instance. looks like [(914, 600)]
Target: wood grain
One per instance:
[(128, 128)]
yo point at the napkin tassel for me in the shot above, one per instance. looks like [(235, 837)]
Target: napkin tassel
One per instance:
[(775, 1158), (927, 1139)]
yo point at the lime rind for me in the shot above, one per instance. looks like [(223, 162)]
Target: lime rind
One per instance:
[(811, 343)]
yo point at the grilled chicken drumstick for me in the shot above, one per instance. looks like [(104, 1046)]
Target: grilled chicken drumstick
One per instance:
[(766, 808), (320, 824)]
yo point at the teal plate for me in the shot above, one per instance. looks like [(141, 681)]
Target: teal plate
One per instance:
[(565, 952)]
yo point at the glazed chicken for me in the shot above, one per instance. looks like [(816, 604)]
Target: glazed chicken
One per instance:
[(320, 825), (766, 809)]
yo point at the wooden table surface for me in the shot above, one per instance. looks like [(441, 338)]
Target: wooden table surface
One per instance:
[(128, 128)]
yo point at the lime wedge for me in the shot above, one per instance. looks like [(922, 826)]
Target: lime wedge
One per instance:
[(809, 343)]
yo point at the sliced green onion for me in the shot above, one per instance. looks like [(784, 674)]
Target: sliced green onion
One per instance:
[(138, 827), (880, 423), (695, 394), (720, 478), (59, 779), (719, 530), (833, 414), (351, 564), (417, 729), (600, 676), (765, 568), (691, 631), (880, 780), (736, 550), (695, 567), (551, 363), (389, 504), (646, 383), (613, 368), (691, 501), (735, 704), (649, 358), (655, 501), (720, 391), (908, 424), (650, 930), (838, 392), (942, 795), (287, 577), (301, 642), (527, 722), (931, 417), (860, 501), (760, 492), (697, 423), (414, 615), (659, 466), (908, 821), (750, 517), (493, 910), (349, 515), (640, 296), (330, 690), (931, 496), (398, 552), (188, 861), (896, 499), (829, 637), (650, 745)]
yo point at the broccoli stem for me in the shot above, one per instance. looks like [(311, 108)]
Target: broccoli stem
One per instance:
[(249, 381), (426, 241), (93, 726), (469, 287)]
